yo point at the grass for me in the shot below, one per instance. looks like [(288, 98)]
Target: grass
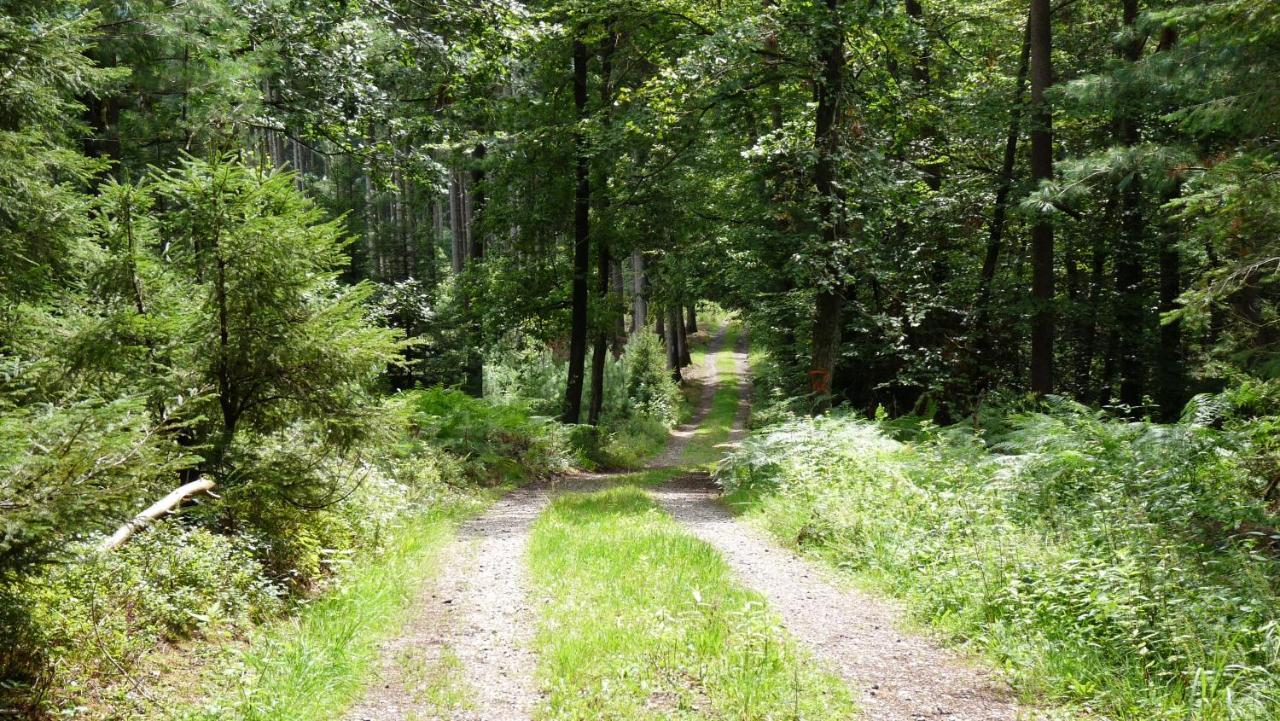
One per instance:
[(644, 621), (1073, 559), (314, 665), (439, 685), (706, 446)]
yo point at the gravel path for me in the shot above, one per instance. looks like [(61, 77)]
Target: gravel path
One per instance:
[(474, 615), (903, 677), (470, 631)]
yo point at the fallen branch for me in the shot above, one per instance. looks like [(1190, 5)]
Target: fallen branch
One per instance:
[(159, 508)]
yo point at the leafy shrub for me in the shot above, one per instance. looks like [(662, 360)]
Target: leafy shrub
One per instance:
[(495, 441), (105, 612), (1125, 565), (522, 373), (633, 441), (650, 390), (67, 469), (641, 401)]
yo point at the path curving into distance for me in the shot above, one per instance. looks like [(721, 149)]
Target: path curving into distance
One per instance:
[(901, 676), (474, 624)]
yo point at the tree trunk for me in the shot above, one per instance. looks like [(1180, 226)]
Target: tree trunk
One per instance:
[(1170, 367), (691, 320), (457, 227), (982, 335), (920, 74), (826, 347), (475, 360), (477, 202), (1131, 301), (581, 243), (1040, 39), (619, 305), (154, 511), (600, 349), (639, 293), (604, 262), (829, 304), (686, 358), (1170, 373), (1089, 322), (672, 327), (1004, 184)]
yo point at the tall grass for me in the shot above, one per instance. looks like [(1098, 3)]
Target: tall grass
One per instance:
[(1107, 564), (312, 666)]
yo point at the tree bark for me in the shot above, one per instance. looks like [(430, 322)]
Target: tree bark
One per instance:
[(474, 384), (981, 329), (1131, 300), (1170, 370), (477, 202), (686, 358), (1000, 211), (691, 319), (920, 74), (639, 293), (457, 226), (619, 342), (829, 303), (581, 243), (1088, 331), (600, 350), (1171, 365), (672, 328), (604, 260), (1040, 39)]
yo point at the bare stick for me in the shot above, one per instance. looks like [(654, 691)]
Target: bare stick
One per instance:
[(159, 508)]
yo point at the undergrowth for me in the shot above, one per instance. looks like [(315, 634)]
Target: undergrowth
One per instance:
[(112, 628), (640, 402), (312, 666), (1128, 568)]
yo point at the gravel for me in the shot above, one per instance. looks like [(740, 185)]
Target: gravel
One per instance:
[(902, 676), (478, 608)]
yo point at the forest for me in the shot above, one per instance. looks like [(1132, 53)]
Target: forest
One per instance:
[(601, 359)]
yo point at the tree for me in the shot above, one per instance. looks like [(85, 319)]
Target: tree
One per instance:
[(1040, 44), (829, 302), (275, 335), (581, 241)]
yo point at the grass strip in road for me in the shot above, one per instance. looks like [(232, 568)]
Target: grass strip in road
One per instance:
[(313, 666), (642, 620), (706, 446)]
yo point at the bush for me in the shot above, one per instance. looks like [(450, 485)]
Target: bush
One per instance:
[(496, 441), (105, 612), (1125, 565), (651, 392), (67, 469), (641, 401)]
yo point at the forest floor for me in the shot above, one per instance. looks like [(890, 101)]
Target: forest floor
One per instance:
[(499, 635)]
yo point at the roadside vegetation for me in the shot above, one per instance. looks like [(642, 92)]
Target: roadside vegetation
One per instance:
[(1129, 568), (312, 666)]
